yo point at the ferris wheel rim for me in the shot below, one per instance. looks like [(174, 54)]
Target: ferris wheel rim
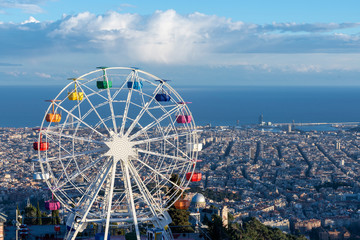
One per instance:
[(82, 81)]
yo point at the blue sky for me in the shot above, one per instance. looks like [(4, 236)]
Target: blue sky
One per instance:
[(192, 42)]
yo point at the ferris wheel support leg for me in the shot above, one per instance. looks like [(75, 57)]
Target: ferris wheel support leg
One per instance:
[(89, 201), (150, 201), (131, 198), (113, 170)]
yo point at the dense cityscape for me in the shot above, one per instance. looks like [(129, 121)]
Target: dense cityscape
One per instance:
[(300, 182)]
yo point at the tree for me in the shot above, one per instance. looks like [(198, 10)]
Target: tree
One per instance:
[(252, 230), (216, 228), (180, 217), (55, 218), (30, 215), (38, 215)]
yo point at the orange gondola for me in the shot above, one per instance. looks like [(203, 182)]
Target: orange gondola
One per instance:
[(53, 117), (182, 204)]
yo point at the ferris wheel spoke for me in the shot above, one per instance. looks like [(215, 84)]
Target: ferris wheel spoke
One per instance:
[(178, 150), (143, 110), (130, 198), (49, 137), (112, 180), (118, 91), (157, 139), (80, 120), (144, 191), (78, 173), (187, 159), (173, 167), (111, 110), (127, 105), (90, 196), (63, 157), (94, 109), (66, 175), (73, 137), (94, 93), (150, 125), (163, 107), (158, 173)]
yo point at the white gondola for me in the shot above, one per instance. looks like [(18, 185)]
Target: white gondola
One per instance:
[(73, 223), (41, 176), (194, 147)]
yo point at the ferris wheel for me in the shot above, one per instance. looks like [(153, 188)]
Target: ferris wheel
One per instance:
[(121, 146)]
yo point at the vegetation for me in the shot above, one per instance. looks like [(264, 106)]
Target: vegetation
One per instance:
[(180, 218), (34, 216), (333, 185), (38, 215), (252, 229)]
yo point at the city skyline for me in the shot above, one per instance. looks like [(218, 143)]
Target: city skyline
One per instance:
[(258, 43)]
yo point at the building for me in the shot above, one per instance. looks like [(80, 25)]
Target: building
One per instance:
[(307, 225), (252, 152), (261, 120), (338, 146), (198, 201), (282, 224), (2, 223)]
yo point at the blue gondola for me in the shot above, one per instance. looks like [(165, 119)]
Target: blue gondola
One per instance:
[(162, 97), (135, 85)]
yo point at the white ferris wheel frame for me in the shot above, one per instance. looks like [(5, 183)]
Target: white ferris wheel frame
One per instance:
[(109, 139)]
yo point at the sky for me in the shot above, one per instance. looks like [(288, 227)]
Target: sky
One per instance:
[(229, 42)]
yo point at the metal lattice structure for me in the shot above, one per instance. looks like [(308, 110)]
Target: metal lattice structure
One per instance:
[(123, 134)]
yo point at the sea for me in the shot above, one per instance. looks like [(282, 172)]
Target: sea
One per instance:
[(24, 106)]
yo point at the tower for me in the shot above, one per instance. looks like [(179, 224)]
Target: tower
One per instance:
[(252, 153), (289, 128), (261, 120), (337, 145)]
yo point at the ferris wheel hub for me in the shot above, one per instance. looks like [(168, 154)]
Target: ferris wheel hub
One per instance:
[(120, 148)]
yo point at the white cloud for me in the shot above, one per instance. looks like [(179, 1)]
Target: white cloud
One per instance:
[(25, 6), (169, 37), (43, 75), (30, 20), (16, 73), (197, 39)]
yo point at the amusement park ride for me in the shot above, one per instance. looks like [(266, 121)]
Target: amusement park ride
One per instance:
[(108, 148)]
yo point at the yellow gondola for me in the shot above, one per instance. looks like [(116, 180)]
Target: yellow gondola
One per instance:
[(74, 94)]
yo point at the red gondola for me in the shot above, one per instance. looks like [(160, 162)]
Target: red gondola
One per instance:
[(196, 177), (40, 146)]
